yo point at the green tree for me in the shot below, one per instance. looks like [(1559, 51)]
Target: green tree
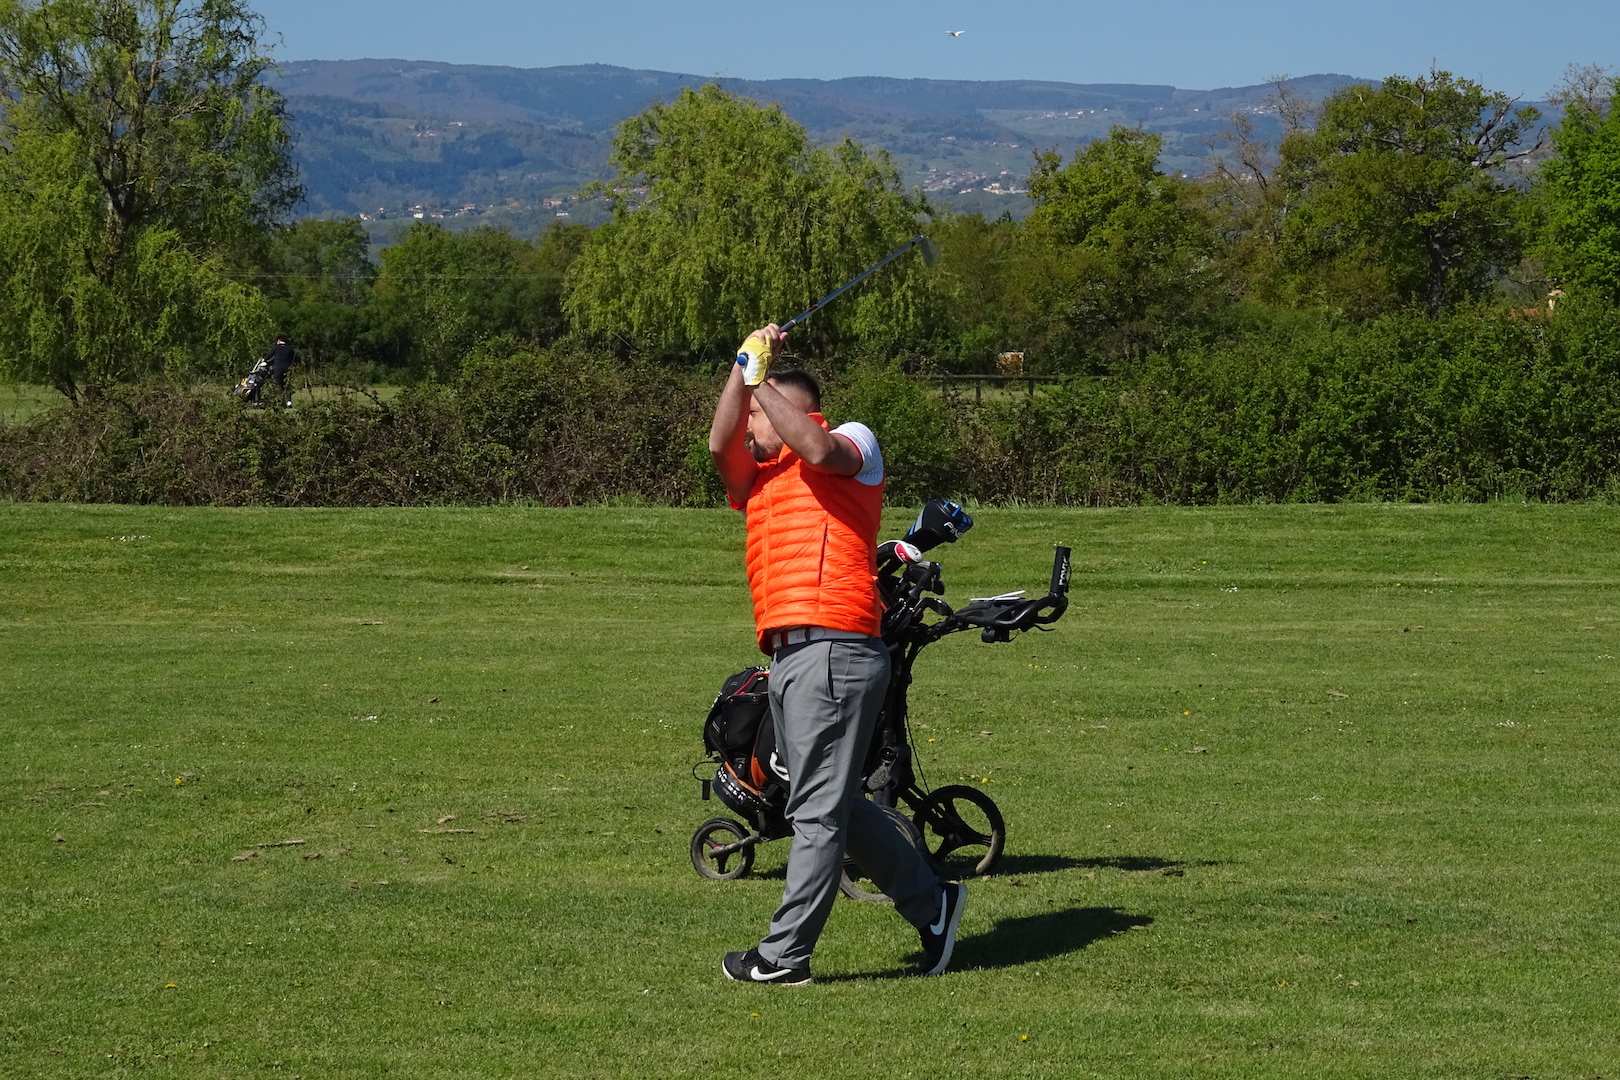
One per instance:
[(1399, 194), (981, 313), (1248, 203), (143, 160), (439, 294), (1126, 249), (557, 248), (1580, 191), (725, 216), (318, 277)]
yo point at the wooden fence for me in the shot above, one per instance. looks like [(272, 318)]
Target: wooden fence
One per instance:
[(978, 382)]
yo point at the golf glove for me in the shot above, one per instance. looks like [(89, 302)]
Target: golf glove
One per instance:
[(755, 358)]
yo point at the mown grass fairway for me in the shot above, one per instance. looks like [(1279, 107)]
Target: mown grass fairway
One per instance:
[(1291, 792), (19, 401)]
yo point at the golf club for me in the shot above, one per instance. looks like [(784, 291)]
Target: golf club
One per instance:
[(930, 254)]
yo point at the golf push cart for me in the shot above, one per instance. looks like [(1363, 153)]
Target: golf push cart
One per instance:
[(958, 827), (252, 383)]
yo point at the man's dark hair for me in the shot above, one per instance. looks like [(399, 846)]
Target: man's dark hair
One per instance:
[(803, 380)]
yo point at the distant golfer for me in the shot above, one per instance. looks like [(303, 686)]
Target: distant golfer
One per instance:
[(813, 497), (281, 356)]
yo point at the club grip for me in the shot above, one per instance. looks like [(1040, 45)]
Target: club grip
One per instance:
[(1060, 572)]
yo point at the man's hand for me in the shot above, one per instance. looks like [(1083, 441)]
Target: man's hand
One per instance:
[(756, 354)]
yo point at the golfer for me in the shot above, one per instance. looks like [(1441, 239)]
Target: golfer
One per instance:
[(813, 498), (281, 356)]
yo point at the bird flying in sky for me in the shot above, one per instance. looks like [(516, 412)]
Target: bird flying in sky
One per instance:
[(956, 33)]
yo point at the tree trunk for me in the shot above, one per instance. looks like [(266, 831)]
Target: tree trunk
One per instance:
[(1435, 293)]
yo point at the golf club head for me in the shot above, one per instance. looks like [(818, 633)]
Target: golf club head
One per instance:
[(941, 522), (930, 252)]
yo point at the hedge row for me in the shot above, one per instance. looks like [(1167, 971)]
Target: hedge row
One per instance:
[(1471, 407), (1468, 408), (559, 431)]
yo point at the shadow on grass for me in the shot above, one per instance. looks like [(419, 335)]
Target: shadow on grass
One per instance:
[(1027, 939), (1025, 865), (1137, 862), (1015, 865)]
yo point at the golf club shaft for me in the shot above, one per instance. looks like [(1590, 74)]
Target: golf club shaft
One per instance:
[(856, 280)]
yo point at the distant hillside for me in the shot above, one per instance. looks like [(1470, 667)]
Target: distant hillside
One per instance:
[(513, 144)]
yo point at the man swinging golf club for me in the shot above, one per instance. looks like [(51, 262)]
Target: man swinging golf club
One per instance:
[(813, 497)]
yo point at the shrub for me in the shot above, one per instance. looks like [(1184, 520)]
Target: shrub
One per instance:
[(1471, 406), (912, 426), (557, 430)]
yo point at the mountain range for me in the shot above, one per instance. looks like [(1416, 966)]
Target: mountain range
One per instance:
[(400, 139)]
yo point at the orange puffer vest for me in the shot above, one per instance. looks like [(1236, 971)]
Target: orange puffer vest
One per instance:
[(812, 548)]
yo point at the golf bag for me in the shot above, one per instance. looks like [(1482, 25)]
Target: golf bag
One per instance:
[(248, 389), (741, 739)]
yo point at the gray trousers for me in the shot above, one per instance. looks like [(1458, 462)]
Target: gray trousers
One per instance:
[(825, 700)]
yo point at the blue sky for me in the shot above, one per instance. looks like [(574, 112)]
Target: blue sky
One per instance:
[(1517, 48)]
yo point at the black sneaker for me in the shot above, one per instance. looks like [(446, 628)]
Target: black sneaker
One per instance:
[(939, 938), (751, 967)]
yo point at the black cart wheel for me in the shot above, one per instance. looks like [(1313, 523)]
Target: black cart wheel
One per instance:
[(718, 850), (962, 830), (856, 887), (854, 883)]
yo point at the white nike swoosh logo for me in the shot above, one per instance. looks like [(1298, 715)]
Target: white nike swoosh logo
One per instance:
[(759, 974), (939, 923)]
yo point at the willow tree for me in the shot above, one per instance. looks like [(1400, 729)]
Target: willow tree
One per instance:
[(142, 162), (726, 216)]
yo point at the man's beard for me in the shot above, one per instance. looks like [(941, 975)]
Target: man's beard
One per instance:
[(759, 452)]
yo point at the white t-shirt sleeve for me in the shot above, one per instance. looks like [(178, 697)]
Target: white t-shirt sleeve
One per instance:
[(871, 473)]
